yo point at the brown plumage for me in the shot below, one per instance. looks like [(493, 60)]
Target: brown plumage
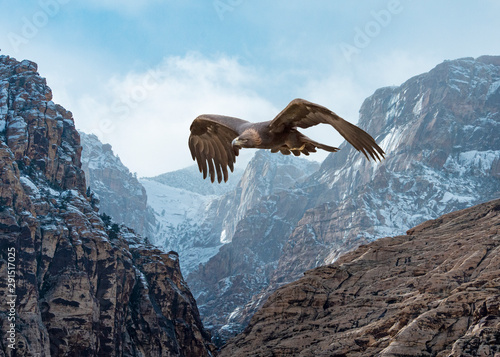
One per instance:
[(215, 140)]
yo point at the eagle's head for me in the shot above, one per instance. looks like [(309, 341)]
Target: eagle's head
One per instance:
[(247, 139)]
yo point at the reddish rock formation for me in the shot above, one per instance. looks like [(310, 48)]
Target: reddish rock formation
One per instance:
[(433, 292), (84, 286)]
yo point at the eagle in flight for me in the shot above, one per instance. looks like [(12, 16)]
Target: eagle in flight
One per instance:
[(215, 140)]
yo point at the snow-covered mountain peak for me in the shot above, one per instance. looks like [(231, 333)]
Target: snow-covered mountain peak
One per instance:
[(191, 179)]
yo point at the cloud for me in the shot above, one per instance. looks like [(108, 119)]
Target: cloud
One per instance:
[(86, 50), (394, 67), (146, 115)]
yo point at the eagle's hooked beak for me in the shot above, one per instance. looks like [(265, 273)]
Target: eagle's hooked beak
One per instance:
[(237, 143)]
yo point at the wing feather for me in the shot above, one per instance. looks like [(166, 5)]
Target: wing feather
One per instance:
[(210, 144), (303, 114), (223, 156), (192, 149), (211, 169), (219, 157)]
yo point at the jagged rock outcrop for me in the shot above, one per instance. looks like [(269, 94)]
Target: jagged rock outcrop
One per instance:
[(433, 292), (440, 133), (120, 193), (84, 286)]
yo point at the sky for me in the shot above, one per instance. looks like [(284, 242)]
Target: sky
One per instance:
[(136, 73)]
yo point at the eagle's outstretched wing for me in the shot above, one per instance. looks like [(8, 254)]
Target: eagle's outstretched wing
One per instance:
[(210, 144), (303, 114)]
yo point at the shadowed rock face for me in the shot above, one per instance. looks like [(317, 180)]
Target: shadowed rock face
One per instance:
[(433, 292), (84, 286), (121, 195)]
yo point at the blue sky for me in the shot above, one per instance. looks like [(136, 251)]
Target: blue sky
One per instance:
[(136, 73)]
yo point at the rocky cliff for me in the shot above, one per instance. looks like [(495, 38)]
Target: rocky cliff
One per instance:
[(84, 286), (121, 195), (440, 132), (432, 292)]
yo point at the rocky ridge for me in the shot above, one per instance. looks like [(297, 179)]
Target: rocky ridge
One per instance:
[(121, 195), (265, 174), (191, 180), (433, 292), (84, 286)]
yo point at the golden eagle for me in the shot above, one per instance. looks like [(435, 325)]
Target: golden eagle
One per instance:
[(215, 140)]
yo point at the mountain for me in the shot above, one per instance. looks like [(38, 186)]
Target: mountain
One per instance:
[(247, 258), (197, 225), (264, 175), (121, 195), (432, 292), (440, 132), (240, 242), (166, 208), (179, 210), (79, 284)]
